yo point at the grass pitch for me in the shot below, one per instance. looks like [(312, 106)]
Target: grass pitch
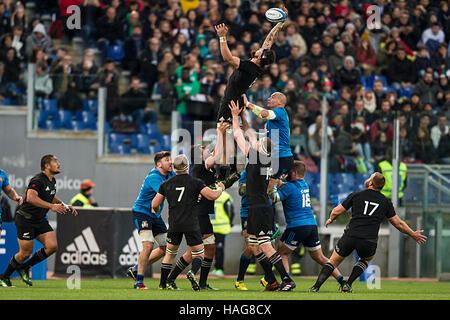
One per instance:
[(122, 289)]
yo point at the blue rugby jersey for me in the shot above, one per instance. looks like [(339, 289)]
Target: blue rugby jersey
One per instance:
[(149, 189), (281, 122), (296, 204)]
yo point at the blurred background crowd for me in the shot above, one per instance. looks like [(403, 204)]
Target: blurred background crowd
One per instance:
[(167, 52)]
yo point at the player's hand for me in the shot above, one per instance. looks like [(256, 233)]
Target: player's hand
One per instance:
[(19, 200), (58, 208), (73, 211), (221, 185), (285, 11), (328, 222), (223, 126), (234, 107), (244, 97), (419, 237), (221, 29), (199, 197)]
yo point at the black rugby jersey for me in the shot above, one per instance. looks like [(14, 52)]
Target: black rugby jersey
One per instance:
[(241, 79), (369, 208), (258, 175), (46, 190), (205, 206), (181, 192)]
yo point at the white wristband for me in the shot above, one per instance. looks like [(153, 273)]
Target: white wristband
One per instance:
[(219, 188)]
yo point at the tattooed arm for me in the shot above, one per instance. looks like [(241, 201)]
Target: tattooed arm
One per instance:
[(273, 34)]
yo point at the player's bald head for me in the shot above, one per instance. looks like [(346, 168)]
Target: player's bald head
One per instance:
[(279, 99), (180, 163)]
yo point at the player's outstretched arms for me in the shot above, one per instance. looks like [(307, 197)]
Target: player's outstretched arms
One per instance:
[(211, 194), (404, 228), (222, 30), (238, 133), (218, 153), (260, 112), (273, 34)]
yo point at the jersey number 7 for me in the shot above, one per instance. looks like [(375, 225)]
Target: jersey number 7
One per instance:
[(374, 204), (181, 193)]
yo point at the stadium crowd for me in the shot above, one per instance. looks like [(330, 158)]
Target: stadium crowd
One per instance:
[(168, 51)]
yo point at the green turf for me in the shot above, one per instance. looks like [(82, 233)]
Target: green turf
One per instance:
[(119, 289)]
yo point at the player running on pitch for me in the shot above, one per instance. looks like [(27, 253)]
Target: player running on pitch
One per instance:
[(261, 214), (31, 221), (301, 225), (182, 192), (369, 207)]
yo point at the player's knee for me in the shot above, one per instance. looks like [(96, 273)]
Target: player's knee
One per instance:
[(25, 253), (51, 248)]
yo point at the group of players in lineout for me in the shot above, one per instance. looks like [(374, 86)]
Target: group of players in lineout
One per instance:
[(271, 175)]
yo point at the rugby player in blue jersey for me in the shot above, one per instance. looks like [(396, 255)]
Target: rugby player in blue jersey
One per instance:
[(301, 225), (277, 126), (151, 226)]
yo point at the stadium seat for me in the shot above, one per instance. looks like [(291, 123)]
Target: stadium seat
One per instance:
[(363, 81), (405, 92), (50, 105), (90, 105), (143, 142), (88, 120), (6, 102), (165, 142), (151, 129), (154, 149), (77, 125), (116, 139), (66, 119), (42, 117), (116, 52), (344, 178), (121, 149), (371, 80), (52, 124)]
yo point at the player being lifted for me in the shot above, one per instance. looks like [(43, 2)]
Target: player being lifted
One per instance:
[(244, 75), (261, 214), (369, 207), (182, 192), (301, 225), (203, 167)]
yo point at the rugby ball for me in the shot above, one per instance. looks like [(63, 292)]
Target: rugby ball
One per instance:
[(275, 15)]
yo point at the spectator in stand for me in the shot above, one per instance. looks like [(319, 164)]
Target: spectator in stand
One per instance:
[(433, 37), (427, 89), (350, 49), (266, 89), (134, 101), (441, 129), (108, 32), (365, 55), (379, 146), (148, 62), (336, 60), (85, 80), (62, 77), (423, 146), (385, 56), (89, 55), (310, 33), (406, 146), (401, 72), (314, 55), (185, 89), (281, 47), (327, 44), (348, 75), (382, 124), (346, 150), (43, 84), (38, 39), (360, 111), (294, 38), (18, 42), (370, 104), (385, 111), (314, 145), (60, 54), (423, 61), (132, 48), (132, 19), (108, 77), (12, 76), (440, 60), (90, 12), (5, 24)]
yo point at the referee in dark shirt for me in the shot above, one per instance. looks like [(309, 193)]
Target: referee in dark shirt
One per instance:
[(369, 208), (31, 221)]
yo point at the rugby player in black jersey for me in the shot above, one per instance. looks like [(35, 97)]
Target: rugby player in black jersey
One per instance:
[(244, 75), (31, 221), (261, 214), (182, 192), (203, 167), (369, 208)]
